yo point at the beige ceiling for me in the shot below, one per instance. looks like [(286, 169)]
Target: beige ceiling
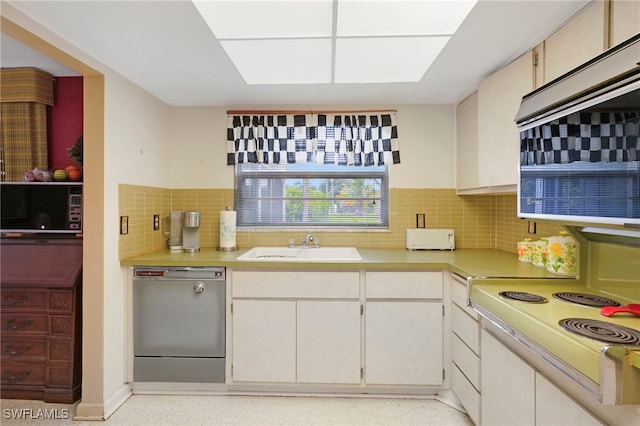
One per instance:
[(166, 48)]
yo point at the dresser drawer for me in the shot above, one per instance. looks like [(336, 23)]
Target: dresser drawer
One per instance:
[(467, 394), (23, 299), (60, 301), (24, 323), (23, 373), (466, 360), (22, 348), (466, 328)]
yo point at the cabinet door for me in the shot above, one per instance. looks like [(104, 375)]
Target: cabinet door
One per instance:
[(554, 407), (264, 341), (328, 341), (499, 98), (467, 143), (508, 385), (404, 343), (579, 40)]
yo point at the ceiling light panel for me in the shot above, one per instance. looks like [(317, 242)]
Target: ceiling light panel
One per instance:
[(247, 19), (400, 17), (285, 61), (385, 60)]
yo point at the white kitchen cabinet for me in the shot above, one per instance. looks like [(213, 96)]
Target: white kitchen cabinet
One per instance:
[(465, 350), (625, 20), (580, 39), (508, 385), (499, 98), (288, 327), (554, 407), (404, 328), (467, 143), (264, 341), (328, 341)]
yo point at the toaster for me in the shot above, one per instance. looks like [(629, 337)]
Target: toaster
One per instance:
[(430, 239)]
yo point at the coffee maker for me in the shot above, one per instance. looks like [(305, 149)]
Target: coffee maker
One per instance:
[(191, 232), (173, 227)]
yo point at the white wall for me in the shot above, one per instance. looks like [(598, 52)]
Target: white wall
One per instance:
[(136, 140), (426, 134)]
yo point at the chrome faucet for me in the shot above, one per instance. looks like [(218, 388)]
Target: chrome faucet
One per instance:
[(306, 243)]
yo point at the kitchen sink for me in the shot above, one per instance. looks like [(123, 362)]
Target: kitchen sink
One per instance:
[(301, 254)]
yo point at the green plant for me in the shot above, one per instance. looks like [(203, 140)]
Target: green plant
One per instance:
[(75, 151)]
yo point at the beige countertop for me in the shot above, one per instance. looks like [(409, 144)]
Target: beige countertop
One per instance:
[(466, 262)]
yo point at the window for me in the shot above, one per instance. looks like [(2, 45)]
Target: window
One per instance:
[(308, 194)]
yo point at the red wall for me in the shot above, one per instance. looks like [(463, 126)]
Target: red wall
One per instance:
[(65, 123)]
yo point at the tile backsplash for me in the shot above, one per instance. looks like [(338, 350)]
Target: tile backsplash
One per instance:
[(480, 221)]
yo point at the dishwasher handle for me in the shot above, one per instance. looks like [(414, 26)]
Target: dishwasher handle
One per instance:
[(199, 287)]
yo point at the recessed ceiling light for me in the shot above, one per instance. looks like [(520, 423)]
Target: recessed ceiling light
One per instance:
[(243, 19), (291, 41), (285, 61), (386, 59), (401, 17)]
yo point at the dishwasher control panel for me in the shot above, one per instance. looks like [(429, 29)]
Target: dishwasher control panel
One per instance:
[(191, 272)]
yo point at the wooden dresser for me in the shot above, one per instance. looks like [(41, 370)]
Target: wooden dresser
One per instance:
[(41, 300)]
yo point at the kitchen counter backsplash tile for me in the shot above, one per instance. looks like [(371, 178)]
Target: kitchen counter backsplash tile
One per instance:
[(480, 221)]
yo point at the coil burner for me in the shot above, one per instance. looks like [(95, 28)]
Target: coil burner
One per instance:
[(523, 297), (601, 331), (586, 299)]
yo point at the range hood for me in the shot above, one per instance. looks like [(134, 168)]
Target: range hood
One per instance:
[(611, 71)]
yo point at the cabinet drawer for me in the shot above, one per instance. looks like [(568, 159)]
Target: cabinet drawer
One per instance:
[(466, 360), (20, 347), (404, 285), (459, 296), (466, 328), (24, 323), (16, 298), (467, 394), (23, 373), (328, 285)]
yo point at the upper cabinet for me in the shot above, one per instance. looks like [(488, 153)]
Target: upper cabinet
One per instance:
[(582, 38), (625, 20), (467, 143), (487, 137)]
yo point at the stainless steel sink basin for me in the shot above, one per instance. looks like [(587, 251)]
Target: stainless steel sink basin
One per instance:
[(316, 254)]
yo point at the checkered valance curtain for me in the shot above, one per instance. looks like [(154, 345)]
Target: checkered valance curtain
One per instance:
[(337, 139), (583, 136)]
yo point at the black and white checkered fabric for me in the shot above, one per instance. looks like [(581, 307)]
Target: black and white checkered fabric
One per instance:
[(583, 136), (361, 140)]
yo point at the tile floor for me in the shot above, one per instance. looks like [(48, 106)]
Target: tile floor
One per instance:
[(191, 410)]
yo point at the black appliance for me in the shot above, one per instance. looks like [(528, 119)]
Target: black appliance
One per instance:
[(41, 207)]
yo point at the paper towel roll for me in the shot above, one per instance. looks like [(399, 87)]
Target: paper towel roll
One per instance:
[(227, 229)]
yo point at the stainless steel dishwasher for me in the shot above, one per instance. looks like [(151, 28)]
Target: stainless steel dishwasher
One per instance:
[(179, 324)]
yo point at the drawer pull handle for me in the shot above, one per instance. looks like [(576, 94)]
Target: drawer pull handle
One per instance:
[(11, 301), (9, 349), (12, 324), (7, 374)]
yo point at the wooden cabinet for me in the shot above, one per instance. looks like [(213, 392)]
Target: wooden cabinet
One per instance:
[(577, 41), (499, 98), (465, 350), (288, 327), (404, 328), (40, 295)]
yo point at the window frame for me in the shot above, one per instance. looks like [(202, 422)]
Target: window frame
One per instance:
[(320, 171)]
